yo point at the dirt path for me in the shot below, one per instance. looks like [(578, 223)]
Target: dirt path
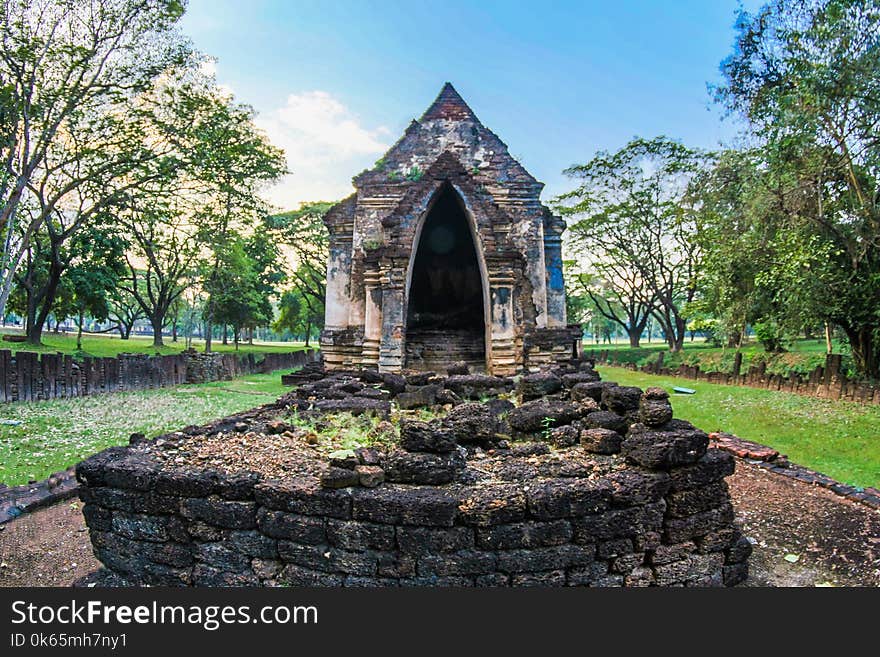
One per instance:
[(836, 542), (49, 547)]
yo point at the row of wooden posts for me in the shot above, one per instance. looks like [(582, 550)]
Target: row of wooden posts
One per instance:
[(826, 381), (30, 376)]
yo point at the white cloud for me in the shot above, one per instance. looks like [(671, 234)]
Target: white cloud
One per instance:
[(325, 145)]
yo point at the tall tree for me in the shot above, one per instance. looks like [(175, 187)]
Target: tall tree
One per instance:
[(304, 232), (68, 73), (628, 213), (234, 289), (124, 310), (233, 161), (266, 258), (296, 316), (165, 248), (205, 196), (805, 74)]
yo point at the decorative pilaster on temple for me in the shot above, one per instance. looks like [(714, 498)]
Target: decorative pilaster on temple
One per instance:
[(501, 357), (372, 314), (393, 286), (340, 225), (553, 228)]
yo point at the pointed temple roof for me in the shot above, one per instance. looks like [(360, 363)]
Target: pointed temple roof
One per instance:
[(449, 124), (449, 105)]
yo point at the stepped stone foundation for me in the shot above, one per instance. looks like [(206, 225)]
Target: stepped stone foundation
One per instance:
[(445, 253), (579, 483)]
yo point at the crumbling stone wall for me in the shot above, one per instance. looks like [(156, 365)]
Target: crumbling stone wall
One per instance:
[(584, 483), (30, 376)]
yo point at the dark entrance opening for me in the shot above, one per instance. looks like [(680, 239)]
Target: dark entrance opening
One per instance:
[(445, 316)]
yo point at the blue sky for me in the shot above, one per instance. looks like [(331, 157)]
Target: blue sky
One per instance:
[(335, 82)]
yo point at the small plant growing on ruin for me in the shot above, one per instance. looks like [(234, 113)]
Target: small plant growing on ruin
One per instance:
[(380, 164), (547, 424), (415, 174), (344, 431), (393, 176)]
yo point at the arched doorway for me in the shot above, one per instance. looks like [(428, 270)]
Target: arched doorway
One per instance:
[(445, 319)]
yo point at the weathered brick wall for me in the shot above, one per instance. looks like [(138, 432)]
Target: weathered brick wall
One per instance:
[(633, 528), (27, 376), (650, 508)]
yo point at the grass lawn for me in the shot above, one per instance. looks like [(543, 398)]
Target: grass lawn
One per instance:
[(815, 346), (839, 439), (801, 356), (106, 344), (58, 433)]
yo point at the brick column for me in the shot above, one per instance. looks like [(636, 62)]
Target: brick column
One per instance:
[(391, 348), (372, 315), (501, 357)]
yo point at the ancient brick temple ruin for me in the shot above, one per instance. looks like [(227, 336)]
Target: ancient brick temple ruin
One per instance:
[(445, 253)]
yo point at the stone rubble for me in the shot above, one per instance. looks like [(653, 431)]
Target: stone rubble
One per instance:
[(566, 501)]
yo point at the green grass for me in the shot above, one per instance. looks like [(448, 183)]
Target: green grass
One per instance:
[(840, 439), (56, 434), (802, 357), (107, 344)]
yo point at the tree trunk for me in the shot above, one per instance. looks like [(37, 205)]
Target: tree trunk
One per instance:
[(225, 335), (35, 331), (30, 317), (865, 351), (634, 337), (79, 332), (308, 333), (157, 323), (680, 332), (174, 331), (209, 334), (829, 347), (47, 300)]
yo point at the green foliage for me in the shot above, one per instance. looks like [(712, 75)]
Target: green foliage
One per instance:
[(295, 316), (806, 76), (304, 232), (769, 334), (338, 434), (235, 289), (414, 174), (800, 357), (633, 235), (70, 141)]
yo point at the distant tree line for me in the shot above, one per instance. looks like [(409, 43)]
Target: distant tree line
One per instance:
[(779, 238), (130, 183)]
